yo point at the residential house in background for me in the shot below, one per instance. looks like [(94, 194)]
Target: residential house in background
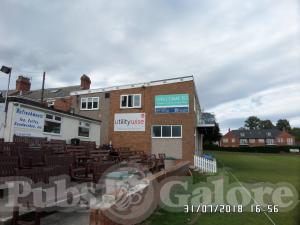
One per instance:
[(254, 138), (57, 98)]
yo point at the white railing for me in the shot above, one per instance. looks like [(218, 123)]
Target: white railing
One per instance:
[(205, 165)]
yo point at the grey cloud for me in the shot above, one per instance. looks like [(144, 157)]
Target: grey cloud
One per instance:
[(233, 48)]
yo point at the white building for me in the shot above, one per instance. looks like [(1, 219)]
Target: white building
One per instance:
[(29, 118)]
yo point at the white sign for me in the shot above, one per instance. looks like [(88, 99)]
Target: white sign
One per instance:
[(29, 119), (129, 122)]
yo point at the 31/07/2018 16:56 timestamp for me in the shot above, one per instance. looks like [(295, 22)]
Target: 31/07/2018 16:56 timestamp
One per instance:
[(230, 208)]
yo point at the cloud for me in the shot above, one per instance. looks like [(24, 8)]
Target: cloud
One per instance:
[(234, 48), (274, 103)]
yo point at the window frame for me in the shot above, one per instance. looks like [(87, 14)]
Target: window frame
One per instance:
[(225, 140), (290, 141), (171, 137), (252, 141), (84, 126), (270, 141), (244, 141), (133, 101), (53, 120), (85, 99)]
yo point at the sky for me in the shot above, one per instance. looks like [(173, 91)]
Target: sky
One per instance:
[(244, 55)]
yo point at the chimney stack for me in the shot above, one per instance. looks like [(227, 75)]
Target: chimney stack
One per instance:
[(228, 129), (23, 84), (85, 82)]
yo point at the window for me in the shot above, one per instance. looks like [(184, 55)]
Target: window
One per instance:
[(50, 103), (233, 140), (84, 129), (243, 141), (156, 131), (290, 141), (167, 131), (225, 140), (52, 124), (176, 131), (130, 101), (89, 103), (242, 134), (270, 141), (252, 141), (261, 140), (269, 134)]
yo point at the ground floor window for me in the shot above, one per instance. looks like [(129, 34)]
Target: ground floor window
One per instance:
[(166, 131), (84, 129), (290, 141), (270, 141), (243, 141), (52, 124)]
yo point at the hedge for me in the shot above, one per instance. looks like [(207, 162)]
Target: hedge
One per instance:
[(266, 149)]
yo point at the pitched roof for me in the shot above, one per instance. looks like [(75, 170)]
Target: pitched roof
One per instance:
[(255, 134), (49, 93)]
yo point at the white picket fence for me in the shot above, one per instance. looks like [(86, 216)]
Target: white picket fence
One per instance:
[(205, 165)]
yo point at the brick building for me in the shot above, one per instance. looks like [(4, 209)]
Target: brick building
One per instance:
[(254, 138), (157, 117)]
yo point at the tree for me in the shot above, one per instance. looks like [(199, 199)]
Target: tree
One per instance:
[(283, 124), (266, 124), (213, 136), (252, 122), (296, 133)]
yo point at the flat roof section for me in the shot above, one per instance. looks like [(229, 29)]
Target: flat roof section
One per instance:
[(136, 85)]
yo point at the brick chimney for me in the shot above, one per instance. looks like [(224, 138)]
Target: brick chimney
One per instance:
[(85, 82), (23, 84)]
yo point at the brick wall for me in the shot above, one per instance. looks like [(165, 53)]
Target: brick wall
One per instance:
[(143, 140), (101, 114), (283, 136), (232, 140), (64, 104)]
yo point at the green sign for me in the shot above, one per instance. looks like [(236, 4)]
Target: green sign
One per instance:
[(172, 103)]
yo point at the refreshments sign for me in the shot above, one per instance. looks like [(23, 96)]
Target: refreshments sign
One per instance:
[(29, 119), (177, 103), (129, 122)]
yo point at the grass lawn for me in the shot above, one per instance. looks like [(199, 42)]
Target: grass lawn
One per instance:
[(249, 168)]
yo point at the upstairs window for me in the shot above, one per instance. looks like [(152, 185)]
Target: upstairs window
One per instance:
[(225, 140), (89, 103), (52, 124), (130, 101)]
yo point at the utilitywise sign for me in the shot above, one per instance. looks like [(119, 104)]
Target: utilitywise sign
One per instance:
[(176, 103), (129, 122)]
